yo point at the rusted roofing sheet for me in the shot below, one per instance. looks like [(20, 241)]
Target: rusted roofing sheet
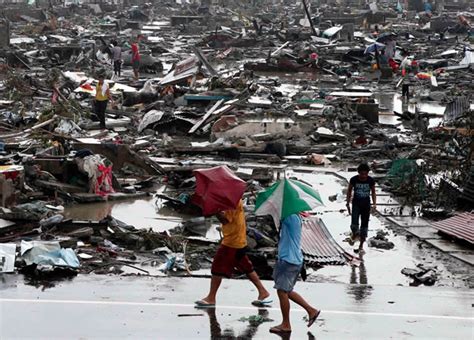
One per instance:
[(468, 191), (460, 226), (319, 247)]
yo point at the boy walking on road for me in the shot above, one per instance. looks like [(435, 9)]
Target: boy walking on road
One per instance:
[(286, 272), (363, 187), (231, 255)]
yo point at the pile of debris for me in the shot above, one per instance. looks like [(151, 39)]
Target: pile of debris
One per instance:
[(380, 241), (382, 84), (422, 275)]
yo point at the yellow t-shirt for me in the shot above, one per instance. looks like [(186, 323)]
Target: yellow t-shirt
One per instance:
[(235, 232), (98, 95)]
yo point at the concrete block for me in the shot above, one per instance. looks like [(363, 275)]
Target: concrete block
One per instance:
[(408, 221), (424, 233), (465, 257), (394, 210), (448, 246), (387, 200)]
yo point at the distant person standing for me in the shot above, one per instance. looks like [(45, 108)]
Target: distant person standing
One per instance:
[(428, 7), (102, 97), (363, 186), (390, 48), (383, 60), (136, 58), (117, 58)]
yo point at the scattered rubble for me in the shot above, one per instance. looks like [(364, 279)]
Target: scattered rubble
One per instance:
[(380, 241), (422, 274), (260, 84)]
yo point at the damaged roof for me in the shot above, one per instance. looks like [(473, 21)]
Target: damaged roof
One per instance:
[(460, 226), (318, 245)]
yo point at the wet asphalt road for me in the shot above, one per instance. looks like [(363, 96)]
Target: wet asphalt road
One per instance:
[(112, 307)]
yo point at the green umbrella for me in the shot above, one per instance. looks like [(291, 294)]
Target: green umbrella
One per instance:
[(285, 198)]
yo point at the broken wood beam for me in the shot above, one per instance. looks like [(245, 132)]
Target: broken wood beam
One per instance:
[(206, 116)]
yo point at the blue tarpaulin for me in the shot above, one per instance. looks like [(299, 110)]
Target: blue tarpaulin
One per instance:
[(48, 253)]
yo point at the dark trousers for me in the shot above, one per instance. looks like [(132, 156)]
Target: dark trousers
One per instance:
[(406, 91), (117, 67), (362, 212), (100, 106)]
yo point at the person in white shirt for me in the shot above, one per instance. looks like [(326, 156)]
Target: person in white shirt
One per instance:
[(117, 58)]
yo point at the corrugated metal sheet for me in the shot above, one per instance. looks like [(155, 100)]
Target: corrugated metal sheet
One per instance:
[(456, 107), (460, 226), (319, 247), (468, 191)]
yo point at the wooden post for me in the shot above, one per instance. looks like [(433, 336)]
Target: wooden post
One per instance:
[(308, 14)]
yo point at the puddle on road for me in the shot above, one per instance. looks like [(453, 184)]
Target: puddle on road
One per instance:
[(139, 213), (392, 102), (142, 214)]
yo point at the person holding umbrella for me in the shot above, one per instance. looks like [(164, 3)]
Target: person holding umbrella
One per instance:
[(283, 201), (232, 255), (219, 192), (286, 272)]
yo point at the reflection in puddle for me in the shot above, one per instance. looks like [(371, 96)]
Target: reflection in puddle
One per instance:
[(141, 213), (144, 213), (393, 102), (228, 333), (359, 287)]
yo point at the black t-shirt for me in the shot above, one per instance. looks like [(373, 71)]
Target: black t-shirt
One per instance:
[(362, 190)]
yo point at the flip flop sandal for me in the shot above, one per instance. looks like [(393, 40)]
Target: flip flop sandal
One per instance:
[(262, 303), (204, 304), (278, 330), (313, 319)]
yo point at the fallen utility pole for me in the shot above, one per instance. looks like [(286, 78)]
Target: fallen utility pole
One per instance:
[(308, 14)]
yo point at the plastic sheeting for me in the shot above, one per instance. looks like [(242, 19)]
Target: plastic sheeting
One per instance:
[(149, 118), (48, 253), (468, 58), (7, 257)]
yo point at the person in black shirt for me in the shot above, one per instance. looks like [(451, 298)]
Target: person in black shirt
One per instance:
[(361, 187)]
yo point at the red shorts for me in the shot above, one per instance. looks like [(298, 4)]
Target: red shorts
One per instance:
[(227, 260)]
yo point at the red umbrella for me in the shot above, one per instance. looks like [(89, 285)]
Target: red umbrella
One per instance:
[(217, 189)]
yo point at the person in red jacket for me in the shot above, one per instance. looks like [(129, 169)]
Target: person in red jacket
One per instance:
[(135, 58)]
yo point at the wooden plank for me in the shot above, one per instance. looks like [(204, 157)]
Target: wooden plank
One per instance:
[(280, 48), (58, 186), (204, 61), (88, 197), (206, 116)]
